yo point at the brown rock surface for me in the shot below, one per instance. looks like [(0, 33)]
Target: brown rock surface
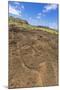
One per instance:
[(33, 58)]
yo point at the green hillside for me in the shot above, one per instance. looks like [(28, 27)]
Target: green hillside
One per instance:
[(24, 24)]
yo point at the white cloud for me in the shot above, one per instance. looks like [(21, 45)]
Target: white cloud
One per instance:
[(17, 3), (16, 8), (53, 25), (39, 15), (49, 8), (12, 10), (30, 18), (22, 7), (46, 8)]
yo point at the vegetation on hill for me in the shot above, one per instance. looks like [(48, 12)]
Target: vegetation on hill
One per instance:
[(24, 24)]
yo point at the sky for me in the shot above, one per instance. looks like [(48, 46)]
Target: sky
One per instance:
[(38, 14)]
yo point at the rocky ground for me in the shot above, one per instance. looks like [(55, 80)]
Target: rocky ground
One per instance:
[(33, 58)]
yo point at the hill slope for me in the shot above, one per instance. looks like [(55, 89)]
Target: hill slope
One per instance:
[(33, 57), (24, 24)]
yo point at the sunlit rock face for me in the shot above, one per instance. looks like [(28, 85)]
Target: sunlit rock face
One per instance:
[(33, 58)]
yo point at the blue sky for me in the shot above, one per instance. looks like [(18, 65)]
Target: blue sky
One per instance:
[(35, 13)]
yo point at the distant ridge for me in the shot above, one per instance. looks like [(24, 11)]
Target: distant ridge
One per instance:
[(18, 20), (24, 24)]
